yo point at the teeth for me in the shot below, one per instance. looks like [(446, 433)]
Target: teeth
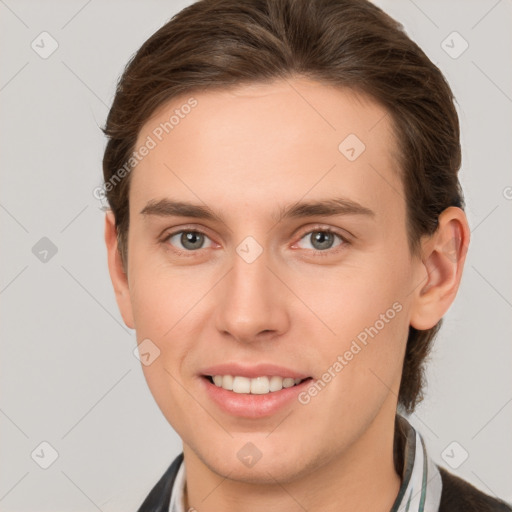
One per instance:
[(260, 386), (240, 384), (276, 383), (226, 382), (257, 386), (288, 382)]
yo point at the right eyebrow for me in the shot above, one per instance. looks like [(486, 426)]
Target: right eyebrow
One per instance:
[(169, 208)]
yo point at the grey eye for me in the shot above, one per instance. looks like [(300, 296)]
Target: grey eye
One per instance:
[(321, 239), (189, 240)]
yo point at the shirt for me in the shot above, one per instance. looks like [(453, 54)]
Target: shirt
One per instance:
[(421, 487)]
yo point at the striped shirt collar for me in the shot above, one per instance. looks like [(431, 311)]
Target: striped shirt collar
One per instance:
[(421, 486)]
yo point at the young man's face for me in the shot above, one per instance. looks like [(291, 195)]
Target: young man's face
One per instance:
[(255, 296)]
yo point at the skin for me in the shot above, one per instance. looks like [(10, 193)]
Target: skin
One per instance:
[(245, 153)]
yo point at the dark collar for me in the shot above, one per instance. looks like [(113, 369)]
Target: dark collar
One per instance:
[(159, 497)]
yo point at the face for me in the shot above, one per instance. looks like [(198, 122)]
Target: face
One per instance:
[(286, 257)]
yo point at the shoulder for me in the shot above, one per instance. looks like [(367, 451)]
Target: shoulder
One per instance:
[(458, 494)]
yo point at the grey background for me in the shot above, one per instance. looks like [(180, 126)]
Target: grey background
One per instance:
[(68, 373)]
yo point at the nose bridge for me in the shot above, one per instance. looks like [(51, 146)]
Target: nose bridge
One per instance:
[(251, 303), (249, 276)]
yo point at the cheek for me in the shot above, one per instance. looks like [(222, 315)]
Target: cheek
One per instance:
[(352, 299), (365, 308), (160, 312), (164, 316), (162, 296)]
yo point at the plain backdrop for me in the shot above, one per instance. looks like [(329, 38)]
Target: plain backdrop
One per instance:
[(69, 377)]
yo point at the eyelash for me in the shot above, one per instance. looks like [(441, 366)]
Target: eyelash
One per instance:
[(327, 252)]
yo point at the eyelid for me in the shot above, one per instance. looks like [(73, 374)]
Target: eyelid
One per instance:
[(167, 233)]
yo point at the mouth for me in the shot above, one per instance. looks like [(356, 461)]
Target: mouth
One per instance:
[(262, 385), (253, 397), (252, 390)]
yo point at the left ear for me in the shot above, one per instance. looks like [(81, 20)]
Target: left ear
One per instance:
[(440, 270)]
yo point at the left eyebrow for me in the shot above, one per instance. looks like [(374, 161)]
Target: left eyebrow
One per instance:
[(326, 207)]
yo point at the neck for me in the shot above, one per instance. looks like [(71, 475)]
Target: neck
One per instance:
[(361, 478)]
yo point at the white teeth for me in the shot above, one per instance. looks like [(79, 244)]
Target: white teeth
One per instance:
[(257, 386), (260, 386), (241, 385), (226, 382), (288, 382), (276, 383)]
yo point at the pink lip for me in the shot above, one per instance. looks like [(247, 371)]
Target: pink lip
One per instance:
[(251, 406), (253, 371)]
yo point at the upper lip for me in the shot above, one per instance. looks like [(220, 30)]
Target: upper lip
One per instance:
[(253, 371)]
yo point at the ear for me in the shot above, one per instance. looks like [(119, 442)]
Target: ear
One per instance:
[(440, 270), (117, 275)]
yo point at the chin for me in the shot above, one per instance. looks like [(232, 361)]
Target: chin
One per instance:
[(258, 462)]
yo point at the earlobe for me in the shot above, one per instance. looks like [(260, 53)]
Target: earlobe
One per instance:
[(444, 255), (117, 274)]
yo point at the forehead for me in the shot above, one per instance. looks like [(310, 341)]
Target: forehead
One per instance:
[(268, 142)]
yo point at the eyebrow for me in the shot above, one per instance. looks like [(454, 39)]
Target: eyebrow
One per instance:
[(327, 207)]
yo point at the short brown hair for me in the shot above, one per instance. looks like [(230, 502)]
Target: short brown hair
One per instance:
[(348, 43)]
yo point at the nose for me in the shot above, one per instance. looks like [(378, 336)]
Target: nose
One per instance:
[(252, 304)]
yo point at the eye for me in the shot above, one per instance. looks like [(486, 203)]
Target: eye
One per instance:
[(190, 240), (322, 240)]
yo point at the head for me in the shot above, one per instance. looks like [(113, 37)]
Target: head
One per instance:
[(247, 109)]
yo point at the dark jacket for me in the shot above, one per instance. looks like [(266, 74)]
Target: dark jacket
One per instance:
[(457, 495)]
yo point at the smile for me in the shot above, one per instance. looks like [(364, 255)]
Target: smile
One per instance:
[(254, 386)]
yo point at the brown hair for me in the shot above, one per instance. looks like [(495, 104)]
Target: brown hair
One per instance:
[(348, 43)]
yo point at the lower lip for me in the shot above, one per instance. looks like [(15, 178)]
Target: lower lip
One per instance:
[(252, 406)]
